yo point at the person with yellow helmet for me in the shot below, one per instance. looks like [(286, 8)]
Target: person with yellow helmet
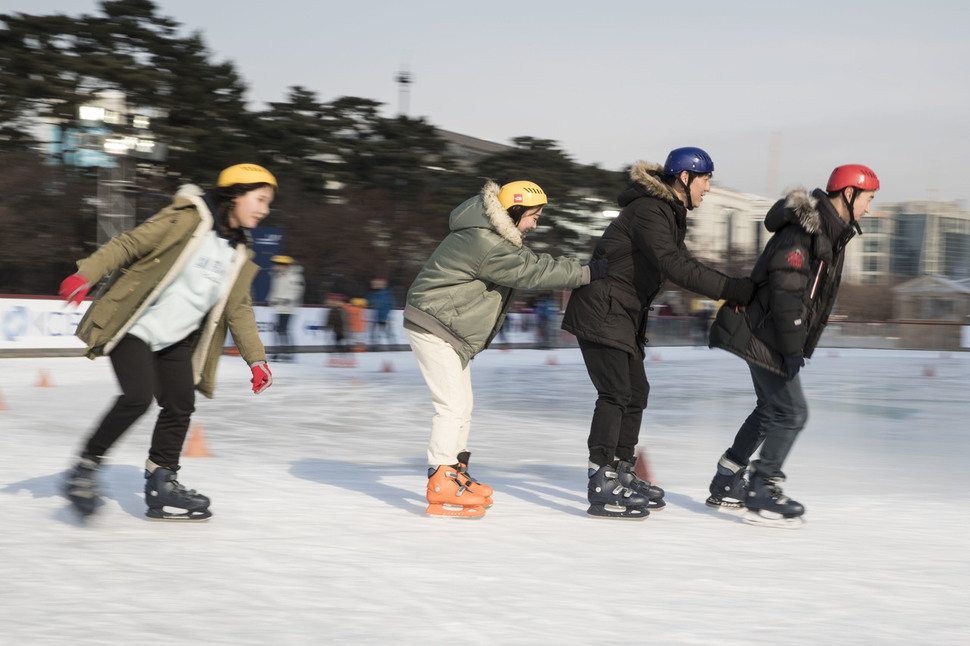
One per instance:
[(285, 295), (455, 307), (178, 282)]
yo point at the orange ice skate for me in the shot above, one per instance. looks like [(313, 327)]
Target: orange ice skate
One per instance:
[(471, 483), (448, 497)]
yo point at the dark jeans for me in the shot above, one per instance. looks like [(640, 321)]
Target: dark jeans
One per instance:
[(142, 374), (778, 416), (283, 333), (622, 390)]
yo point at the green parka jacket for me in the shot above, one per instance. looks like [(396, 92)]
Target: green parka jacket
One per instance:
[(465, 289), (147, 259)]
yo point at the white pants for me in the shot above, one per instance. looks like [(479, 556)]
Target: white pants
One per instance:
[(451, 393)]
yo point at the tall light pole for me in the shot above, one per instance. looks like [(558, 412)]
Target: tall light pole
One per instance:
[(403, 80)]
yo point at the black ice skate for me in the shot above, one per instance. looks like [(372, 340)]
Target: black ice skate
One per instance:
[(769, 506), (81, 488), (629, 479), (608, 498), (163, 493), (729, 488)]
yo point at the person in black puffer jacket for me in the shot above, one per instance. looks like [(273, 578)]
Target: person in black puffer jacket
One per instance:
[(797, 278), (644, 246)]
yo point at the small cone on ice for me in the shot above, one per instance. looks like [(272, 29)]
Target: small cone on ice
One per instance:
[(551, 360), (43, 380), (196, 447), (929, 371), (387, 366), (2, 405), (640, 466)]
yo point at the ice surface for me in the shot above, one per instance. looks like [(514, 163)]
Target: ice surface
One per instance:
[(319, 533)]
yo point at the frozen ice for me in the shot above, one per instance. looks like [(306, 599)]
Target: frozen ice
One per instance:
[(319, 533)]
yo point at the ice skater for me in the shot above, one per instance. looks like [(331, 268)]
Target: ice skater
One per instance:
[(178, 282), (285, 296), (797, 277), (645, 247), (454, 309), (381, 301)]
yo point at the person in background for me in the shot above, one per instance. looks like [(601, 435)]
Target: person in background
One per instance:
[(798, 276), (285, 295), (455, 307), (381, 301), (335, 319), (645, 247), (178, 282), (356, 323)]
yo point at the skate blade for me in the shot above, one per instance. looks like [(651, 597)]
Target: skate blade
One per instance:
[(727, 506), (656, 505), (616, 512), (763, 518), (442, 510), (85, 506), (183, 517)]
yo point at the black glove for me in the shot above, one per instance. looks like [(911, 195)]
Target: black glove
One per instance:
[(597, 268), (738, 291), (793, 363)]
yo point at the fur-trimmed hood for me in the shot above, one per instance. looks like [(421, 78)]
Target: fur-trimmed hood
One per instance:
[(646, 182), (485, 211), (797, 207)]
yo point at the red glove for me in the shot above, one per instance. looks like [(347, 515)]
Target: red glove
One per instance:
[(262, 377), (74, 288)]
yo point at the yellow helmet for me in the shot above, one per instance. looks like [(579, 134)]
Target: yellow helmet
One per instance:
[(283, 260), (246, 174), (524, 193)]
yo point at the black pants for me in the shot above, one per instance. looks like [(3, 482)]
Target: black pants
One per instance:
[(142, 374), (283, 333), (622, 390), (778, 417)]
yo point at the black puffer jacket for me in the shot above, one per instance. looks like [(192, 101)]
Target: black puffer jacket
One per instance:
[(644, 246), (797, 277)]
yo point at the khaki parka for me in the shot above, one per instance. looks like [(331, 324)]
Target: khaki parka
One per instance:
[(144, 261), (465, 289)]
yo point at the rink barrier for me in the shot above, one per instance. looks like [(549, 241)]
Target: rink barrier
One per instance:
[(44, 327)]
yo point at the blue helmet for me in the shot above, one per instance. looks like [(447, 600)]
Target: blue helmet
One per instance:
[(692, 159)]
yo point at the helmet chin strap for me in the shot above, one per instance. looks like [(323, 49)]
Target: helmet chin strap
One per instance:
[(690, 179), (850, 205)]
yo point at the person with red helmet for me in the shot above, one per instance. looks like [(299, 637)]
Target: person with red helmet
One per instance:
[(797, 277)]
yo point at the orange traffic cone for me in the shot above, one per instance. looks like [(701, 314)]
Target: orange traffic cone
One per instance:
[(551, 360), (640, 466), (43, 381), (2, 406), (387, 366), (196, 446)]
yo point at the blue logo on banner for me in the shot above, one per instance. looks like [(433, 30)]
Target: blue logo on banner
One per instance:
[(15, 323)]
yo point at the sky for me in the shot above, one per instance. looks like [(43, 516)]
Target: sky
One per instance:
[(778, 93), (319, 532)]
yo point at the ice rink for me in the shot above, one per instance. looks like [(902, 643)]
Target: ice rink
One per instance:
[(319, 534)]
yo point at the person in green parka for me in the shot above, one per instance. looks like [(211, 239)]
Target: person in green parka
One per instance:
[(457, 305), (177, 283)]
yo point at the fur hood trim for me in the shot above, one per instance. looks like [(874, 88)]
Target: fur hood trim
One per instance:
[(646, 174), (499, 217), (798, 207)]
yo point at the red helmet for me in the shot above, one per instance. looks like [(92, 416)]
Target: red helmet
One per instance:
[(855, 175)]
